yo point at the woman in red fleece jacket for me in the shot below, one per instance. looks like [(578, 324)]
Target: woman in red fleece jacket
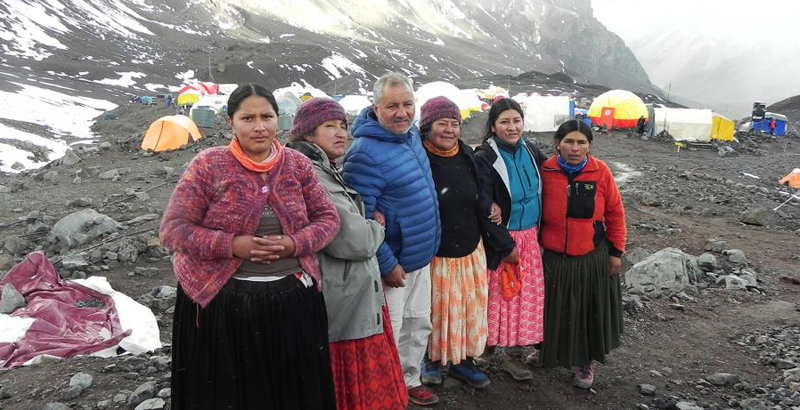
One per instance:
[(245, 223), (583, 235)]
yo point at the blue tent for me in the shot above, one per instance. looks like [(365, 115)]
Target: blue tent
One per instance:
[(781, 123)]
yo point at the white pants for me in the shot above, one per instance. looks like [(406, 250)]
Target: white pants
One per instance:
[(410, 311)]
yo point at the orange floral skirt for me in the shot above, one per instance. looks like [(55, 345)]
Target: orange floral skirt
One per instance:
[(459, 297)]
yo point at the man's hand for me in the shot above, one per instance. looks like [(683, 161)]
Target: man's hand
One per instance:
[(495, 214), (614, 265), (395, 278), (513, 257)]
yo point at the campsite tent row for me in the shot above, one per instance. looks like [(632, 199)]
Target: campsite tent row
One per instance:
[(691, 124), (781, 123)]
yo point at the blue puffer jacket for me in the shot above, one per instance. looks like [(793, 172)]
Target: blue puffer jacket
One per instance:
[(392, 174)]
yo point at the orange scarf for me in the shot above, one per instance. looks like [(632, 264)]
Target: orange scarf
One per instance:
[(436, 151), (260, 167)]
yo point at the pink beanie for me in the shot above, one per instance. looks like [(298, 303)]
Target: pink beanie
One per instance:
[(437, 108), (312, 113)]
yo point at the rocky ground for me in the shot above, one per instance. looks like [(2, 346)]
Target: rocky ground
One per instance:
[(711, 324)]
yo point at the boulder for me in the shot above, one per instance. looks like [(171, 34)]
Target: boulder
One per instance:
[(716, 245), (70, 158), (73, 261), (736, 256), (6, 261), (723, 379), (725, 150), (668, 268), (55, 406), (83, 226), (156, 403), (733, 282), (632, 302), (11, 299), (707, 262), (759, 217), (753, 404), (110, 174), (687, 405), (82, 380), (647, 389), (16, 245), (51, 176), (636, 255), (145, 391), (81, 202)]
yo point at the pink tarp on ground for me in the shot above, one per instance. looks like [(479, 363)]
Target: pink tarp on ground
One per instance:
[(61, 328)]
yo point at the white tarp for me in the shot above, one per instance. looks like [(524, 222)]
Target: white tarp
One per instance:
[(545, 113), (684, 124), (287, 103), (466, 100), (299, 90), (215, 102), (353, 104)]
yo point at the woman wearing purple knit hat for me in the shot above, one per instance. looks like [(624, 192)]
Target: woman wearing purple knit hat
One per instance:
[(364, 360), (459, 293)]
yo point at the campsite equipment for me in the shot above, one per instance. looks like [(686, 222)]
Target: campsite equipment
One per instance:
[(792, 179), (759, 109), (722, 128), (192, 93), (625, 109), (204, 117), (684, 124), (546, 114), (680, 145), (781, 123), (170, 133)]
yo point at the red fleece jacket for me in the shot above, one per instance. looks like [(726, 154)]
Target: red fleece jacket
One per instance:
[(572, 209)]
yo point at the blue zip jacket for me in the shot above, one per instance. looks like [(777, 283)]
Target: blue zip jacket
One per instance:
[(393, 175), (523, 181)]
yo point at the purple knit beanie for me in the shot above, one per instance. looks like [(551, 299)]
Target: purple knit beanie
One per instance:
[(312, 113), (437, 108)]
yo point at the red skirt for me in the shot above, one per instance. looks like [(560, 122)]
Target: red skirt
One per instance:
[(367, 373)]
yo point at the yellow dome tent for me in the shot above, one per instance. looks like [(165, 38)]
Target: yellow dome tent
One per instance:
[(617, 109), (170, 133)]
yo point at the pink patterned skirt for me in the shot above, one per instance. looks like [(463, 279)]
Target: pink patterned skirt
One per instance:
[(519, 321)]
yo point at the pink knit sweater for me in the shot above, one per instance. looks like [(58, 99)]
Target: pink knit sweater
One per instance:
[(218, 199)]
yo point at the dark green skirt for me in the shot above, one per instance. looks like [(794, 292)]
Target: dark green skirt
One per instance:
[(583, 309)]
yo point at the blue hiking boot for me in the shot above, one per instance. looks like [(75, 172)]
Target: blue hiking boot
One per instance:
[(469, 374), (431, 373)]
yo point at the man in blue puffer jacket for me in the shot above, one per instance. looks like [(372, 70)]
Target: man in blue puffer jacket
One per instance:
[(388, 166)]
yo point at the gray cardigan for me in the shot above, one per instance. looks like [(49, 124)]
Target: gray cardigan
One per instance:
[(350, 274)]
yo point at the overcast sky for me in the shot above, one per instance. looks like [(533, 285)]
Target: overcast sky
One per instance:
[(631, 19)]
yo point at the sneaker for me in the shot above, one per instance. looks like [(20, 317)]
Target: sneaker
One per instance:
[(534, 359), (584, 375), (517, 372), (431, 373), (469, 374), (422, 396)]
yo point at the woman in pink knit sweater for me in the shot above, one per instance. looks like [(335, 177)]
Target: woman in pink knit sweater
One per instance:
[(245, 223)]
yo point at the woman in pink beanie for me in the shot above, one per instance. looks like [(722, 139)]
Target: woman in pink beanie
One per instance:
[(364, 360), (459, 293)]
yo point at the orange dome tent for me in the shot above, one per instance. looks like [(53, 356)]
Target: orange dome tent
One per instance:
[(793, 179), (170, 133), (618, 109)]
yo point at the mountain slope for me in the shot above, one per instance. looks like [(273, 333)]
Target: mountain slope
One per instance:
[(85, 55)]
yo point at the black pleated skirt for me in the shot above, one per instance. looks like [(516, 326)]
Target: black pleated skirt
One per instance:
[(257, 345), (583, 309)]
